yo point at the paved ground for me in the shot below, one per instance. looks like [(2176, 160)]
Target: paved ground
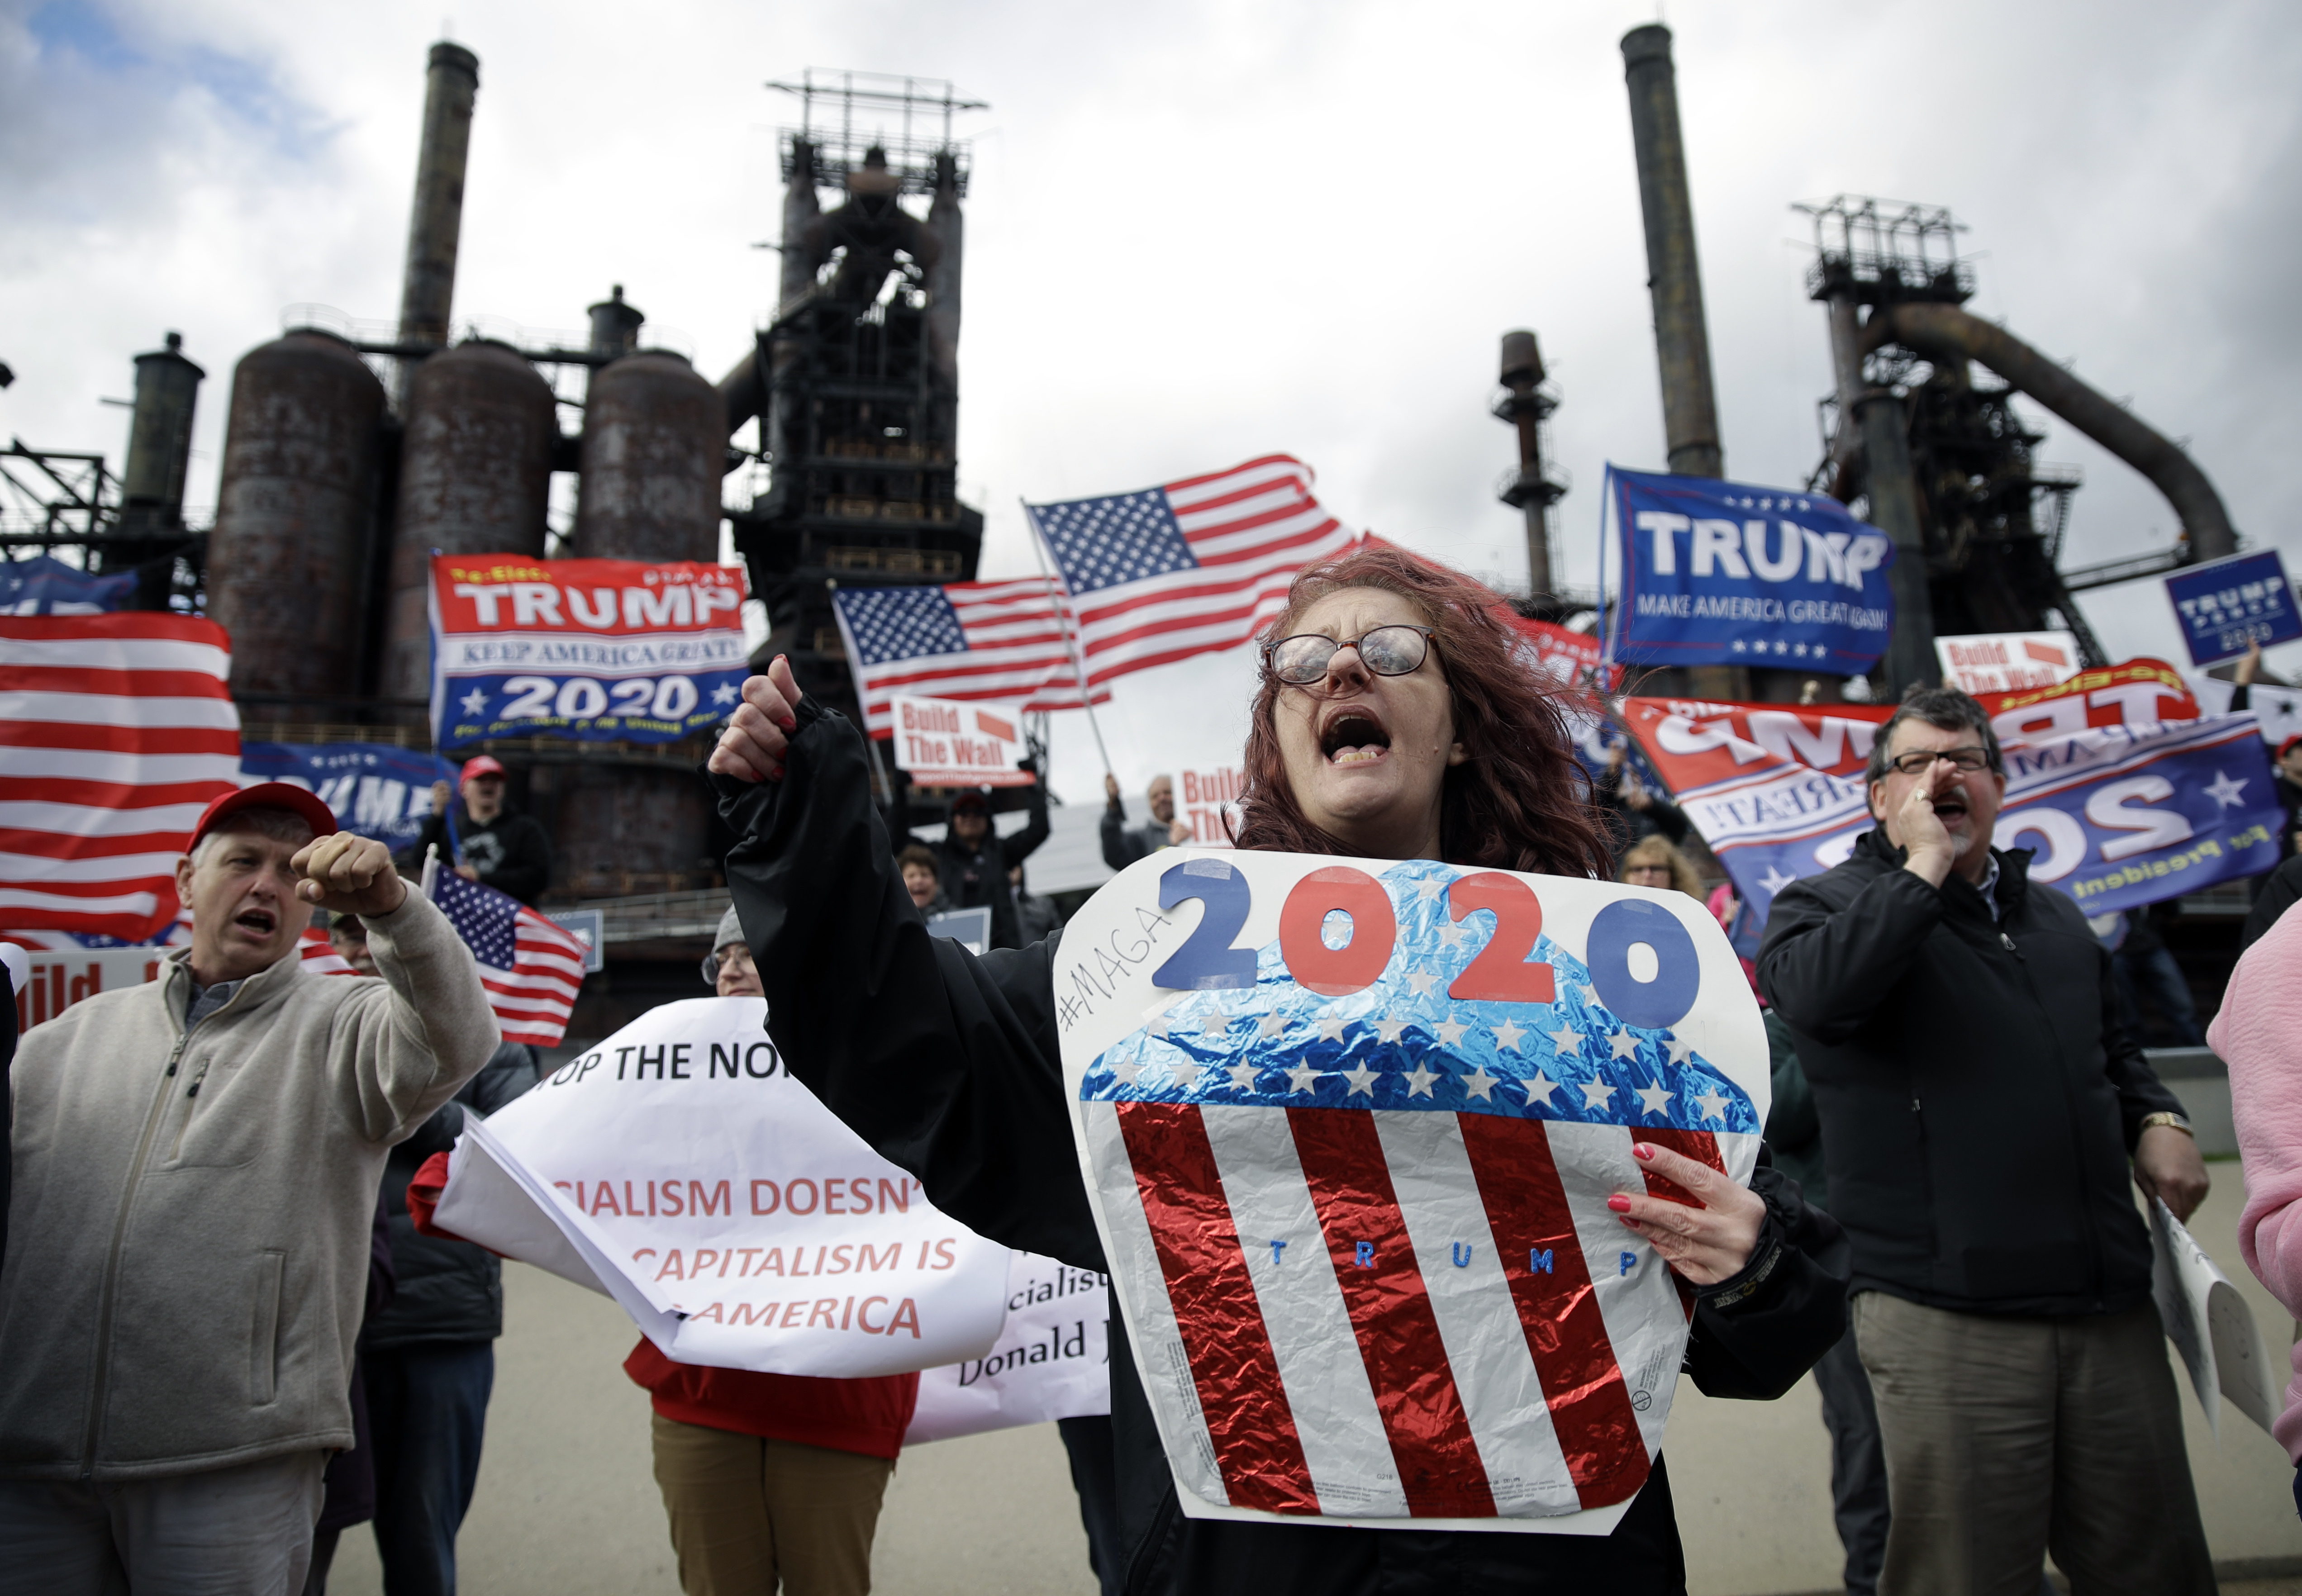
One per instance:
[(566, 1505)]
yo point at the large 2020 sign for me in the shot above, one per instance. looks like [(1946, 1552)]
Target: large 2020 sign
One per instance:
[(1350, 1127)]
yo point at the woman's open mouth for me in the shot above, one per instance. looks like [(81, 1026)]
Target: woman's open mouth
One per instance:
[(1352, 735)]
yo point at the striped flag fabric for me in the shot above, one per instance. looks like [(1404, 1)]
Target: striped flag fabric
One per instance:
[(116, 731), (531, 968), (1186, 568), (1364, 1243), (993, 642)]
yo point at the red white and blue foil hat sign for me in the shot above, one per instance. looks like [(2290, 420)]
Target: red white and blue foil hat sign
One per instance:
[(1350, 1127)]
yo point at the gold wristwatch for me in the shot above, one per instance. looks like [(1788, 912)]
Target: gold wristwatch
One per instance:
[(2173, 1121)]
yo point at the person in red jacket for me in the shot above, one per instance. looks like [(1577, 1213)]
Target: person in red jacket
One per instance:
[(769, 1476)]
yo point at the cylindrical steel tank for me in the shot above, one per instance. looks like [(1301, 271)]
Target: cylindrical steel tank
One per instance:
[(1690, 405), (160, 431), (475, 478), (655, 446), (626, 829), (286, 559)]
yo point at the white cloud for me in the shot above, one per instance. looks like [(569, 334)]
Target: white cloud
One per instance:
[(1202, 231)]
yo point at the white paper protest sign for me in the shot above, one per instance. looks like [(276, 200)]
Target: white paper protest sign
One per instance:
[(949, 743), (1349, 1128), (2209, 1324), (686, 1174), (1052, 1360), (2005, 661)]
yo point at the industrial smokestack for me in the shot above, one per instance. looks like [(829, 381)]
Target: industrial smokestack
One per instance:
[(1531, 492), (1690, 406), (435, 223), (160, 435)]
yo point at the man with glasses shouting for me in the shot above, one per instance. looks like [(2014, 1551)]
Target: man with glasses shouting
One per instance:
[(1981, 1109)]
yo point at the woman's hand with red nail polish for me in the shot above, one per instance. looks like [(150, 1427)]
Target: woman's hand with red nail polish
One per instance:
[(1706, 1242), (753, 744)]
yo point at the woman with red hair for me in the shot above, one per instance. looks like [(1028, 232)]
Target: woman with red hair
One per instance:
[(1391, 722)]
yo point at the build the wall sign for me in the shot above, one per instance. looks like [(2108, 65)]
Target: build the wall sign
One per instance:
[(945, 743)]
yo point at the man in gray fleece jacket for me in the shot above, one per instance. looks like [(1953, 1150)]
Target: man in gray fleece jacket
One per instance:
[(196, 1170)]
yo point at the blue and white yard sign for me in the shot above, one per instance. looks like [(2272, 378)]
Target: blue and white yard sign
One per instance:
[(376, 790), (1720, 572), (2227, 605)]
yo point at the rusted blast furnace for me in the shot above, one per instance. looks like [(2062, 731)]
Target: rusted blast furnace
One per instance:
[(856, 380), (1943, 462)]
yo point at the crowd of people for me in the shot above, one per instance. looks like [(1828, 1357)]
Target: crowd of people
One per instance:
[(225, 1339)]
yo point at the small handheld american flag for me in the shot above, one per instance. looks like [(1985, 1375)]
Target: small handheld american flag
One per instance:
[(531, 968)]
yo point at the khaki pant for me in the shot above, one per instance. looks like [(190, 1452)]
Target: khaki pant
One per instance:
[(746, 1510), (2007, 1438)]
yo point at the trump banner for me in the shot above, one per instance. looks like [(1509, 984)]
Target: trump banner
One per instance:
[(1052, 1360), (1349, 1128), (1719, 573), (2122, 808), (677, 1168), (596, 650), (374, 789)]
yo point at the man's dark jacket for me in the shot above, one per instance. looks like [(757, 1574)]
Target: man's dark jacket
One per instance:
[(950, 1066), (509, 853), (1978, 1096), (445, 1290), (977, 877), (1123, 844)]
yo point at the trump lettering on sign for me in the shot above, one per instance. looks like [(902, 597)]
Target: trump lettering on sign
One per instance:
[(1350, 1127)]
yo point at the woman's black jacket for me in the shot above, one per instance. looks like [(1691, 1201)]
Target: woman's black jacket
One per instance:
[(948, 1065)]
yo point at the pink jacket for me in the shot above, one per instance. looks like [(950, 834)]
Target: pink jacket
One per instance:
[(2259, 1034)]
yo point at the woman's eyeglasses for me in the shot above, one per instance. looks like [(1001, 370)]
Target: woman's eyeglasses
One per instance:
[(1387, 651)]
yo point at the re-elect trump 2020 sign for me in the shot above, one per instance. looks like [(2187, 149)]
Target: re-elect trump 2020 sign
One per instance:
[(607, 650), (1719, 573), (1350, 1127)]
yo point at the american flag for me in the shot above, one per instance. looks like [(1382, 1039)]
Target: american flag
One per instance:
[(1188, 567), (531, 967), (1422, 1179), (117, 730), (996, 642)]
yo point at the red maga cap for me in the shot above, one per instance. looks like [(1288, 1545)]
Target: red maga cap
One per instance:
[(267, 795), (481, 765)]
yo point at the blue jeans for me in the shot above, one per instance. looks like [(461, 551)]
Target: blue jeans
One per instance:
[(427, 1406), (2156, 976)]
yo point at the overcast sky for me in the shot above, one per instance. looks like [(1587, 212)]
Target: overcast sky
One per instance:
[(1201, 231)]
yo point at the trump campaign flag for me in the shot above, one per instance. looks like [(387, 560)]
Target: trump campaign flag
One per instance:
[(532, 968), (1186, 568), (374, 789), (45, 586), (2122, 806), (116, 731), (1719, 573), (679, 1169), (979, 642), (1350, 1127), (603, 650)]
